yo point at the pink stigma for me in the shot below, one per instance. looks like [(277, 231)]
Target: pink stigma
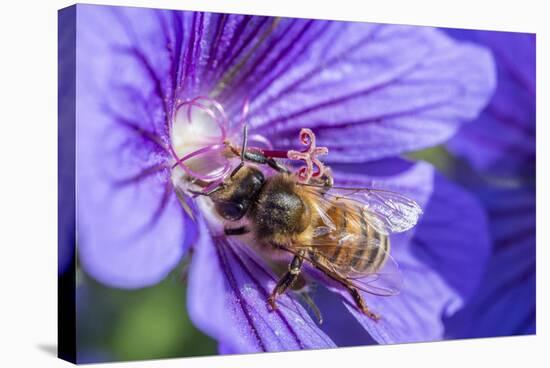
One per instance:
[(309, 156)]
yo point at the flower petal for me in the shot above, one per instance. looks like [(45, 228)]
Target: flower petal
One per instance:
[(338, 323), (396, 88), (505, 304), (511, 112), (228, 291), (452, 237), (414, 180), (435, 258), (131, 236), (127, 69), (130, 224), (415, 314)]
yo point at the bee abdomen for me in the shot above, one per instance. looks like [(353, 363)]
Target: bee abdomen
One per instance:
[(371, 259), (368, 257), (358, 251)]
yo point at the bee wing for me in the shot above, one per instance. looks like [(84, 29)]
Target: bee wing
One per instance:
[(360, 265), (386, 211), (387, 281)]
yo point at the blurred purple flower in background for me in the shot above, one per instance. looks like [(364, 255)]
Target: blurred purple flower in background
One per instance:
[(370, 92), (500, 147)]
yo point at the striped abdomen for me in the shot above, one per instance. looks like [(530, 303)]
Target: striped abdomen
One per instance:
[(355, 246)]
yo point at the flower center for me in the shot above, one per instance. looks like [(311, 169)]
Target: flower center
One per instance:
[(197, 140)]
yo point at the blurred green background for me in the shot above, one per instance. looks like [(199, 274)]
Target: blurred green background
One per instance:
[(149, 323)]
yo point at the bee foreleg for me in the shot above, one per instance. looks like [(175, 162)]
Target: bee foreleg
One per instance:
[(236, 169), (360, 302), (207, 191), (259, 158), (236, 231), (274, 164), (287, 280)]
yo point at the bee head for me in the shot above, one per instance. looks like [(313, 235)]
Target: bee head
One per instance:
[(237, 195)]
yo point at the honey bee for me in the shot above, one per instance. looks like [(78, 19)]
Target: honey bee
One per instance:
[(342, 232)]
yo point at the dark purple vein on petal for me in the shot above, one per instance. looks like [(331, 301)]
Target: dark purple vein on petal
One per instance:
[(260, 316), (292, 300), (189, 54), (168, 43), (179, 29), (157, 83), (157, 213), (136, 96), (347, 97), (229, 58), (292, 87), (248, 71), (144, 62), (163, 202), (175, 47), (234, 71), (333, 38), (265, 294), (224, 265), (245, 76), (370, 326), (322, 125), (143, 174), (221, 64), (144, 133), (197, 52), (213, 51), (283, 69)]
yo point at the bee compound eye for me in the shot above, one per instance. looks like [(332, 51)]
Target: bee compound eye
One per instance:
[(232, 210)]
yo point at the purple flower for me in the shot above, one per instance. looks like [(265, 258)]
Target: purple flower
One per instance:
[(504, 165), (370, 92)]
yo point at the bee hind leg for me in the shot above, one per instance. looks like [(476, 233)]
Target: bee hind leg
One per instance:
[(360, 302), (287, 280), (354, 292)]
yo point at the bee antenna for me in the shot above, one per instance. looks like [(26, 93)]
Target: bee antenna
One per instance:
[(243, 151), (245, 141)]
